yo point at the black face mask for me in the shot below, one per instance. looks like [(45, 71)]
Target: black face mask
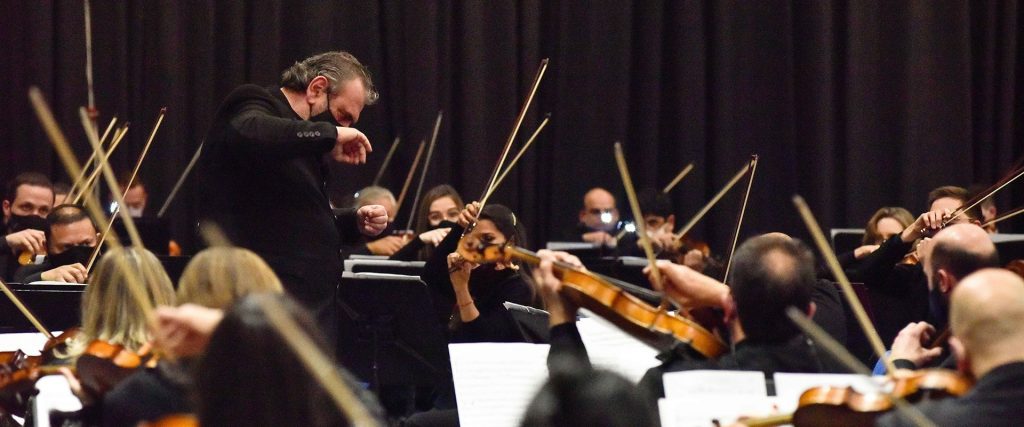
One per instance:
[(325, 116), (79, 254), (26, 222)]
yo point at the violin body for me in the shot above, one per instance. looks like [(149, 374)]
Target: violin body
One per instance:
[(104, 365), (658, 328), (19, 372)]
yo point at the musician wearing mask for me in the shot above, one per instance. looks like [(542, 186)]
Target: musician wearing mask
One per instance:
[(264, 172), (136, 198), (434, 219), (986, 314), (952, 255), (771, 272), (27, 201), (71, 238), (898, 289), (599, 218)]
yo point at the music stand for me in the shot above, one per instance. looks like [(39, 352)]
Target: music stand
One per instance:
[(58, 306), (155, 233), (388, 333), (532, 323), (846, 239), (405, 268)]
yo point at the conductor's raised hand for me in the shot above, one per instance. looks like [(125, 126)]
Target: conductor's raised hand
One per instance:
[(351, 147), (373, 219)]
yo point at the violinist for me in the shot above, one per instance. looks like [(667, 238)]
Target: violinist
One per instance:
[(661, 224), (385, 243), (885, 223), (598, 219), (27, 201), (899, 291), (986, 314), (263, 173), (215, 278), (71, 238), (770, 273), (953, 254), (441, 204)]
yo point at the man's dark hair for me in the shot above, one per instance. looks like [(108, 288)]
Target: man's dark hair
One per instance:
[(35, 179), (958, 261), (338, 67), (654, 202), (61, 188), (954, 192), (771, 273), (64, 215)]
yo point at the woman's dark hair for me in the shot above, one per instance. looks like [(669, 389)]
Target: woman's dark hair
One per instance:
[(588, 397), (249, 375), (506, 222)]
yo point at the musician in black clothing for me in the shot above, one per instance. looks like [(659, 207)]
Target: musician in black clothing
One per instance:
[(954, 253), (264, 172), (27, 201), (71, 238), (986, 314), (771, 272)]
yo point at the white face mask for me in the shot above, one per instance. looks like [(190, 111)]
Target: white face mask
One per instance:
[(135, 212)]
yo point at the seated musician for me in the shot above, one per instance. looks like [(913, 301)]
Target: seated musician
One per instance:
[(598, 219), (441, 203), (385, 243), (589, 397), (661, 222), (986, 314), (771, 272), (955, 252), (71, 238), (27, 201), (898, 290), (250, 376), (214, 278), (887, 221), (136, 198)]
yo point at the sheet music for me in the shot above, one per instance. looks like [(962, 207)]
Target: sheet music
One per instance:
[(701, 383), (610, 348), (494, 382), (31, 343), (705, 411), (789, 386)]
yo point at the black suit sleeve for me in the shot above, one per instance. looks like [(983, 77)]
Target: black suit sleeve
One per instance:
[(263, 134), (31, 273), (567, 349), (874, 268), (347, 223)]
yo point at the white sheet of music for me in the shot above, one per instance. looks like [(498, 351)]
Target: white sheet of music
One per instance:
[(705, 411), (31, 343), (610, 348), (702, 383), (789, 386), (494, 382)]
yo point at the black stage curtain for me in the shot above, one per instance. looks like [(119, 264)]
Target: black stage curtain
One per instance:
[(854, 104)]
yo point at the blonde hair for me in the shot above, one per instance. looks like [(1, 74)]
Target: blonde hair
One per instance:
[(902, 216), (218, 276), (109, 309)]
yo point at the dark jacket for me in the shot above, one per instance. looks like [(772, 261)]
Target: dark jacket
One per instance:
[(32, 272), (898, 292), (264, 183), (996, 400), (794, 355)]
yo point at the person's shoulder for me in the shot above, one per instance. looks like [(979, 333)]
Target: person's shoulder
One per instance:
[(246, 93)]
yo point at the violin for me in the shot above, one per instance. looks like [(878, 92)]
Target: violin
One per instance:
[(103, 365), (660, 329), (1016, 266), (26, 257), (845, 407)]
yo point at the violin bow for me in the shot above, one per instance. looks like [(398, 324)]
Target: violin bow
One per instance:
[(92, 157), (711, 203), (91, 100), (981, 197), (181, 179), (25, 311), (408, 177), (316, 363), (834, 348), (844, 282), (1004, 216), (387, 160), (508, 144), (71, 166), (641, 227), (739, 220), (518, 155), (115, 142), (679, 177), (111, 179), (423, 172)]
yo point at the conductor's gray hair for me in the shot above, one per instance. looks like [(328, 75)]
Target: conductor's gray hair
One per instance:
[(338, 67)]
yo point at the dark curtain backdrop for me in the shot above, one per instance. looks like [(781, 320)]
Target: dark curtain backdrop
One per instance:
[(854, 104)]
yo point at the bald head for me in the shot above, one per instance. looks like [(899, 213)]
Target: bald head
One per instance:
[(599, 212), (955, 252), (986, 314), (598, 198)]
